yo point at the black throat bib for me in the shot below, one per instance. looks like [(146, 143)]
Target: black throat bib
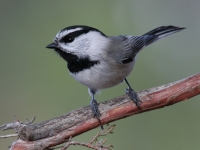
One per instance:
[(76, 64)]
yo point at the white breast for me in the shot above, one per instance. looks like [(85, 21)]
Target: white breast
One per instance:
[(103, 76)]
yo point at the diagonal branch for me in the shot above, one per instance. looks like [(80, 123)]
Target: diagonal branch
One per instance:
[(58, 130)]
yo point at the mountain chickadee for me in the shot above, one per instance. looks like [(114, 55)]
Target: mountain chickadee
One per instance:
[(99, 61)]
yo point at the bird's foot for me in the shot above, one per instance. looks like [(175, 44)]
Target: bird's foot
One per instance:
[(133, 95), (95, 110)]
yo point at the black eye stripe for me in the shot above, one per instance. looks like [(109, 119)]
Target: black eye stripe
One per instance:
[(67, 39), (71, 36), (77, 33)]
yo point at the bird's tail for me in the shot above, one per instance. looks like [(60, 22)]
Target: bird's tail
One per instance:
[(160, 32)]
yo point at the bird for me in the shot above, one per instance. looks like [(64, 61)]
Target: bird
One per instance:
[(99, 61)]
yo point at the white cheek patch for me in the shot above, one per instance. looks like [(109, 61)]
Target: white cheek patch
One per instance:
[(79, 46), (82, 44), (97, 44)]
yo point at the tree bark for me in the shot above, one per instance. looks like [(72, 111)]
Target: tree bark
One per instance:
[(52, 132)]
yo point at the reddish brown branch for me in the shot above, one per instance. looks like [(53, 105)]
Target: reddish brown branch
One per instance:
[(56, 131)]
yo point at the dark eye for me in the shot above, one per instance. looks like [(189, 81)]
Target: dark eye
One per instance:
[(67, 39)]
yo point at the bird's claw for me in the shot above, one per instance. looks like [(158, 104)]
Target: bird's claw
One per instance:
[(95, 110), (133, 95)]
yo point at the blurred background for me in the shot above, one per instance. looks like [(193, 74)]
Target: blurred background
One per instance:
[(34, 81)]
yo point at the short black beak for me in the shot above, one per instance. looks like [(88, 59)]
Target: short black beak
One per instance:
[(52, 46)]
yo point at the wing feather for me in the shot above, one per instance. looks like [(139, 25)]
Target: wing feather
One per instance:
[(132, 45)]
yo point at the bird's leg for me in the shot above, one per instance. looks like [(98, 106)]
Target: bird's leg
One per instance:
[(94, 106), (132, 94)]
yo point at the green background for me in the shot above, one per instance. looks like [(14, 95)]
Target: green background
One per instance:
[(34, 81)]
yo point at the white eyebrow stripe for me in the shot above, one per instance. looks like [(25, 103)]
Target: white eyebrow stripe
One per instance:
[(73, 30), (63, 33)]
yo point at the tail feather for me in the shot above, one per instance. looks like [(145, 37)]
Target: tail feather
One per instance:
[(160, 33)]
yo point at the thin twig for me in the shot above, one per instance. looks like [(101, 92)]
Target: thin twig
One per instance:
[(103, 133), (31, 121), (98, 145), (8, 136)]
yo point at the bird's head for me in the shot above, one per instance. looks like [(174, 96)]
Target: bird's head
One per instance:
[(79, 41)]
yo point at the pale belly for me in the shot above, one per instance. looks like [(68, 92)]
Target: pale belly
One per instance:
[(99, 77)]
